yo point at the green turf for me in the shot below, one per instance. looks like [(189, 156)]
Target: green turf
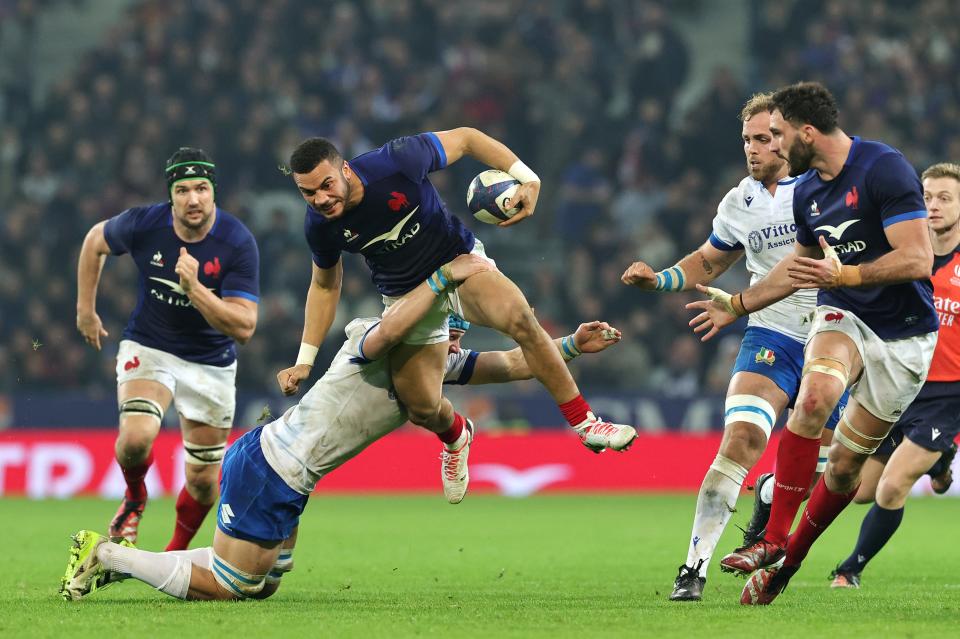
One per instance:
[(548, 566)]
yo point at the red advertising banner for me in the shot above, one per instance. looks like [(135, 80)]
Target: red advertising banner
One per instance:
[(41, 464)]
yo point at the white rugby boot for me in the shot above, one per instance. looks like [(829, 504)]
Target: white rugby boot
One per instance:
[(598, 435), (453, 466)]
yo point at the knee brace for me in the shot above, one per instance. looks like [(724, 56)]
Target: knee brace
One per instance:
[(201, 455), (141, 406), (240, 583), (751, 409), (283, 565), (828, 366), (840, 436), (730, 469)]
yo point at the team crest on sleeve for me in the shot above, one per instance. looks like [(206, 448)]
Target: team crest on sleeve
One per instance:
[(755, 241), (765, 356)]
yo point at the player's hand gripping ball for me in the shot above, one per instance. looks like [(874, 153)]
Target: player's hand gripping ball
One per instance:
[(490, 194)]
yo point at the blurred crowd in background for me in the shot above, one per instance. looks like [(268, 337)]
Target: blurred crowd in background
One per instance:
[(585, 92)]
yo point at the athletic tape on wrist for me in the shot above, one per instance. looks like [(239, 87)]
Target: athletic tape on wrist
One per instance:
[(671, 279), (568, 348), (307, 354), (438, 282), (522, 173)]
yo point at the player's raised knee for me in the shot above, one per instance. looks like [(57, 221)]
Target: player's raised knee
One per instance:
[(523, 323)]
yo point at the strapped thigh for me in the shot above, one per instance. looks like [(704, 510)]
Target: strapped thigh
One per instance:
[(828, 366), (844, 439), (240, 583), (201, 455), (141, 406), (751, 409)]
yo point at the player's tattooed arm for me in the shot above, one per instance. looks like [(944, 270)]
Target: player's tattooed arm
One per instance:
[(500, 367), (403, 315), (700, 267), (93, 254), (722, 309)]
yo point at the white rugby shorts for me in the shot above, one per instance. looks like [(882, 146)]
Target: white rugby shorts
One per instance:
[(202, 393), (434, 328), (893, 370)]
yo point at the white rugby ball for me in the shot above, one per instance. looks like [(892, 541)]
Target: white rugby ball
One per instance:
[(490, 194)]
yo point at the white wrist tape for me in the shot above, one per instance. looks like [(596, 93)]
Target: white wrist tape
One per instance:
[(308, 353), (522, 172), (568, 348)]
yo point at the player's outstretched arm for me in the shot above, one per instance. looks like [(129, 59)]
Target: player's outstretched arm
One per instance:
[(722, 309), (235, 317), (404, 314), (483, 148), (702, 266), (500, 367), (323, 296), (93, 253)]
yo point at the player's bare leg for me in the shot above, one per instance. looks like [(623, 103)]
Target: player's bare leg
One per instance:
[(491, 299), (741, 447), (832, 360), (417, 372), (142, 404), (204, 446)]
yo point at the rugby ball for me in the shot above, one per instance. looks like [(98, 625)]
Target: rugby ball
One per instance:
[(490, 194)]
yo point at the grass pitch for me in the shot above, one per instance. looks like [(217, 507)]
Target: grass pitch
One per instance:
[(548, 566)]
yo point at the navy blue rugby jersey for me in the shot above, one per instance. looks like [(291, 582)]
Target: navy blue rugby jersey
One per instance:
[(876, 188), (401, 226), (164, 317)]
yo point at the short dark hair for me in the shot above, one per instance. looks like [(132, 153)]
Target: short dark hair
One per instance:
[(807, 103), (312, 152)]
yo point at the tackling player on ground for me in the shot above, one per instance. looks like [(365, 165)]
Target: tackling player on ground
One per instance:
[(922, 441), (270, 471), (862, 240), (755, 218), (383, 206), (198, 294)]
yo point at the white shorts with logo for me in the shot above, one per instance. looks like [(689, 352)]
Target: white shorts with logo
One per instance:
[(893, 370), (202, 393), (434, 327)]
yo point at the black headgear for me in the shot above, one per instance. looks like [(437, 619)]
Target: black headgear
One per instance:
[(190, 164)]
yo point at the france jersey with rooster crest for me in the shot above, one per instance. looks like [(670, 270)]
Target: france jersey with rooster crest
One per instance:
[(164, 317), (749, 218), (401, 226), (876, 189)]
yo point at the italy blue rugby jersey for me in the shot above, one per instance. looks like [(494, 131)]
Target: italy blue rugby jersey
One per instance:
[(876, 188), (401, 226), (164, 317)]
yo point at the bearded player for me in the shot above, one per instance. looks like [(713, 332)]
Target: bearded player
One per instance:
[(922, 441), (383, 206), (197, 296), (755, 218), (862, 240), (270, 471)]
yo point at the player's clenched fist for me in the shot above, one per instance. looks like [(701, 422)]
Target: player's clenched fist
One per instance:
[(640, 274), (91, 328), (187, 268), (290, 378)]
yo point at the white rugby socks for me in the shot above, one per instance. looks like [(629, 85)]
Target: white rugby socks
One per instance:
[(168, 572), (715, 503), (766, 491)]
